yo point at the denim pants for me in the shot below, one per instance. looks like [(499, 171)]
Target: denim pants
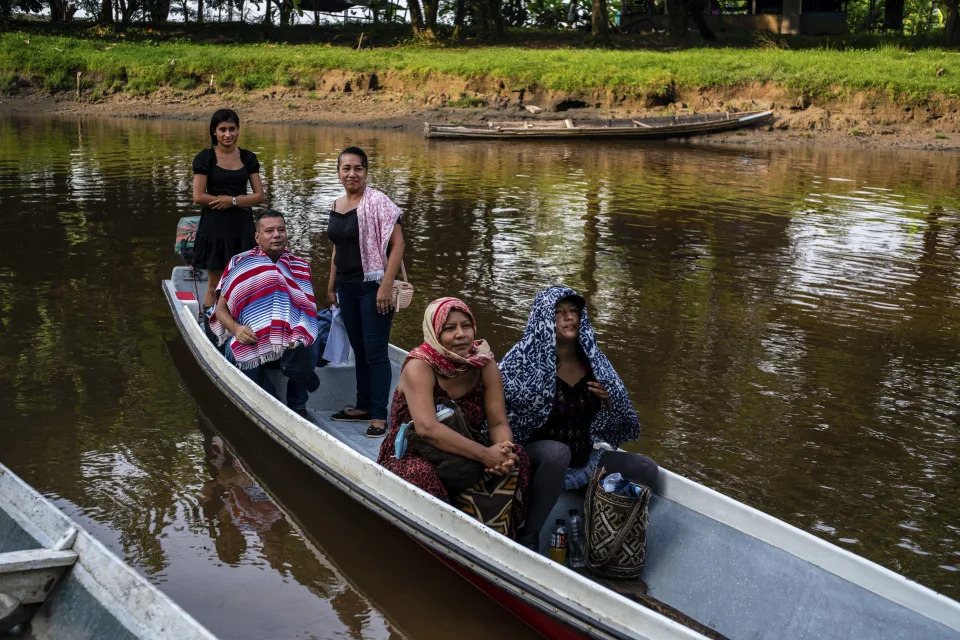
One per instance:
[(369, 333), (297, 394)]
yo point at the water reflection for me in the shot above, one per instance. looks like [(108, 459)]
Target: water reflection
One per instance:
[(234, 505), (786, 320)]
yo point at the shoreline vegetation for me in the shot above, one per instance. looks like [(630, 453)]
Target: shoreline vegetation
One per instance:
[(855, 91)]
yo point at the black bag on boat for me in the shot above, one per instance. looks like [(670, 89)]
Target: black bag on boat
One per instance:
[(456, 472), (616, 530)]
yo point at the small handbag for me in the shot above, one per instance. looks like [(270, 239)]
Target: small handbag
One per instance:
[(616, 530), (402, 290)]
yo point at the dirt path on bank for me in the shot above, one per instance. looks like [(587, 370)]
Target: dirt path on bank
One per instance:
[(860, 121)]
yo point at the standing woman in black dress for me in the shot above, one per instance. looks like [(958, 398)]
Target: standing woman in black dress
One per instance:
[(220, 177)]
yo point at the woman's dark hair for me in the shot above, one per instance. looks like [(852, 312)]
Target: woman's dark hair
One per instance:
[(355, 151), (222, 115)]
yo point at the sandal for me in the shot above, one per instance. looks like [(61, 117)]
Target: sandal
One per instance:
[(376, 432), (343, 416)]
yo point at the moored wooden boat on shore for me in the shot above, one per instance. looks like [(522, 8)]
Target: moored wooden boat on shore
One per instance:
[(730, 568), (617, 128), (57, 581)]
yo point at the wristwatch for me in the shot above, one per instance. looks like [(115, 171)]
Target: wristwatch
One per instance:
[(234, 201)]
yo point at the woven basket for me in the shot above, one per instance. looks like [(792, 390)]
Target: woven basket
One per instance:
[(402, 291), (616, 528)]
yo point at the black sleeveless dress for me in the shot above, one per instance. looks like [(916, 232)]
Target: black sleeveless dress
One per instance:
[(225, 233)]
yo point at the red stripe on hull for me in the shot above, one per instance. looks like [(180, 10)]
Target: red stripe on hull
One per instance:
[(542, 623)]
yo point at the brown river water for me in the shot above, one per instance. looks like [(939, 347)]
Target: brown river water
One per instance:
[(787, 323)]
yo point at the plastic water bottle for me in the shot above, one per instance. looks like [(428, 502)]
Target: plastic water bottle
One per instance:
[(575, 541), (558, 542)]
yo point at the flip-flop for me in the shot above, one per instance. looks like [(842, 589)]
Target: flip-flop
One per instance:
[(343, 416)]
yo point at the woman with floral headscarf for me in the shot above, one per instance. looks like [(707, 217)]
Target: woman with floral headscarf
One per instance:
[(563, 397), (452, 365)]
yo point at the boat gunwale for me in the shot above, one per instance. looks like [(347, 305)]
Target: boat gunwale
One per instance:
[(466, 131), (568, 591)]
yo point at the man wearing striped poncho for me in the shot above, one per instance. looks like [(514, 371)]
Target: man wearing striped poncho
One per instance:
[(267, 312)]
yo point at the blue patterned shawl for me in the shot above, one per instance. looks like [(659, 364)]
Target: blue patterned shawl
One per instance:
[(529, 373)]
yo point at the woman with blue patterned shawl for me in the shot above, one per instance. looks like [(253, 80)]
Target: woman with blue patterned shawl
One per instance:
[(565, 402)]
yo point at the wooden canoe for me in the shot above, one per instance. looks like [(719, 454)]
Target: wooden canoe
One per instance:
[(661, 127), (728, 569), (58, 581)]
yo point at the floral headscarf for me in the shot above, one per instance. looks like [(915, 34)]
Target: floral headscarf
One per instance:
[(529, 372), (446, 363)]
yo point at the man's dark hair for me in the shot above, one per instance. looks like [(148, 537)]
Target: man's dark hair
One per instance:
[(356, 151), (267, 213)]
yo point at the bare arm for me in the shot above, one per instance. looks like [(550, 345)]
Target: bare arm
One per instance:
[(200, 195), (495, 405), (385, 293), (254, 198), (332, 282), (416, 382)]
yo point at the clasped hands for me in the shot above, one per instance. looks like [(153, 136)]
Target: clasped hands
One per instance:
[(500, 458), (220, 203)]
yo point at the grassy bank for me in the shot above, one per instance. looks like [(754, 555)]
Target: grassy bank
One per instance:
[(111, 64)]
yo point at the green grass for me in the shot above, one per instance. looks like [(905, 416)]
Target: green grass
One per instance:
[(142, 66), (466, 102)]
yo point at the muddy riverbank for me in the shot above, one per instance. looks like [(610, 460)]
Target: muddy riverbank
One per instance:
[(859, 120)]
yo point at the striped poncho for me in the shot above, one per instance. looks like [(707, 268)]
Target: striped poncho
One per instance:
[(274, 299)]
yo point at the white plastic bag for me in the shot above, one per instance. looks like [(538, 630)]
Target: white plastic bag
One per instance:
[(338, 344)]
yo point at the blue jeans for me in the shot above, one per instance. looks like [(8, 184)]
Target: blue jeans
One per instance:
[(297, 394), (369, 333)]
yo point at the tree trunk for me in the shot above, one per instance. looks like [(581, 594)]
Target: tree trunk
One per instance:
[(677, 19), (267, 17), (200, 11), (681, 12), (599, 21), (430, 8), (499, 26), (698, 10), (459, 13), (106, 12), (951, 28), (416, 21), (58, 10), (893, 16), (186, 12)]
